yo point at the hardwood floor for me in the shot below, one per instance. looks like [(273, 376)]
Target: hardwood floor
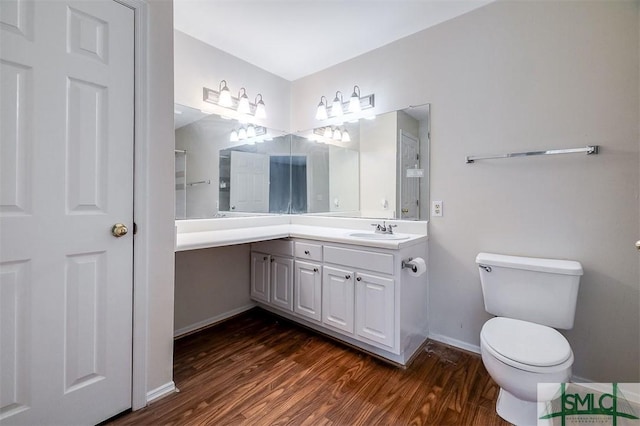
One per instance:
[(258, 369)]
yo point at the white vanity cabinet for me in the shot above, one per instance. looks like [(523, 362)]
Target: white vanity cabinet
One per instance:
[(307, 288), (260, 266), (337, 299), (272, 273), (375, 309), (367, 304), (352, 292)]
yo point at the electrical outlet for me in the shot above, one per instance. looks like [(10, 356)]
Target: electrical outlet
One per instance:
[(436, 208)]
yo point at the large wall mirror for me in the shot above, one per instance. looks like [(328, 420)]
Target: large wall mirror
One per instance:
[(376, 167)]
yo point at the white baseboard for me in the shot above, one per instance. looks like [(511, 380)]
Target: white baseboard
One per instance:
[(454, 342), (209, 321), (161, 391)]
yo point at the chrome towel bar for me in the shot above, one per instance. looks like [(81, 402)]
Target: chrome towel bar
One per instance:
[(201, 182), (592, 149)]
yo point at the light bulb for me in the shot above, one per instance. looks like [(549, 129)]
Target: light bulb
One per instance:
[(234, 136), (242, 133), (337, 134), (261, 111), (251, 131), (345, 136), (224, 98), (336, 107), (327, 132), (354, 101), (321, 112), (243, 102)]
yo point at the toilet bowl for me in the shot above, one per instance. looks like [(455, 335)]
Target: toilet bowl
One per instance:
[(519, 355), (520, 347)]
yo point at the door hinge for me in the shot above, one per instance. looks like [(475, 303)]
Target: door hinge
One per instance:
[(135, 228)]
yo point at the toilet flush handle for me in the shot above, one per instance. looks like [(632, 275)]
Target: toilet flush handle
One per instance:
[(485, 267)]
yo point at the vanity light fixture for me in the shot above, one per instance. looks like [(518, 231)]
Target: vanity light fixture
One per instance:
[(355, 105), (336, 106), (241, 104), (328, 133), (321, 112), (354, 101), (248, 132)]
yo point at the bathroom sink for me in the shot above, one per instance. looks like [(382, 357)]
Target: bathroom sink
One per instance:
[(374, 236)]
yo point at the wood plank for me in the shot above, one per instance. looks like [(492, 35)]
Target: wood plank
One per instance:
[(258, 369)]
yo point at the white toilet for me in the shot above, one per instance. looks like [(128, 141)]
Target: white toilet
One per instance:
[(520, 347)]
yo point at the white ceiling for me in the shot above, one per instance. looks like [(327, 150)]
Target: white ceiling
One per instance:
[(295, 38)]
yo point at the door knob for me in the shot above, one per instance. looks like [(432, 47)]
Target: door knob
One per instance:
[(119, 230), (638, 244)]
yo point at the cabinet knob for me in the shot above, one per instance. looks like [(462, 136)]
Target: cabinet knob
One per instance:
[(272, 259), (359, 279), (306, 252), (347, 277), (315, 269), (265, 258)]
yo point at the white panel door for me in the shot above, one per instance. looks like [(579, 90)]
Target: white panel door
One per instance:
[(249, 182), (282, 282), (409, 185), (308, 290), (66, 164), (375, 309), (260, 276), (337, 298)]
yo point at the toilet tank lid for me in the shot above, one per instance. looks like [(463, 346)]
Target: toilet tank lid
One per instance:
[(554, 266)]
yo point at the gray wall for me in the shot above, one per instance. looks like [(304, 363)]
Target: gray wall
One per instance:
[(208, 289), (520, 76), (199, 65)]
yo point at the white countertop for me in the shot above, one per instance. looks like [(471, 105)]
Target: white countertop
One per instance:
[(225, 237)]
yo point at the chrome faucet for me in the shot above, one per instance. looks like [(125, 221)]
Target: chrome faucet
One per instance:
[(384, 228)]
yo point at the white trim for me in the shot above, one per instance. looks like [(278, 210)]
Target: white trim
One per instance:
[(139, 395), (210, 321), (455, 343), (161, 391)]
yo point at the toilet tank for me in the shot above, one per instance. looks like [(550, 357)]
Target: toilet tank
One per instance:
[(543, 291)]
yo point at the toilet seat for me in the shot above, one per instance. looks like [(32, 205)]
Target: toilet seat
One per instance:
[(525, 345)]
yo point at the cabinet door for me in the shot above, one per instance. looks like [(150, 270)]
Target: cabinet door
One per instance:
[(337, 298), (260, 276), (282, 282), (375, 309), (308, 290)]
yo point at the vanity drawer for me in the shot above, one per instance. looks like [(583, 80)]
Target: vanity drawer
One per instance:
[(360, 259), (281, 247), (309, 251)]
